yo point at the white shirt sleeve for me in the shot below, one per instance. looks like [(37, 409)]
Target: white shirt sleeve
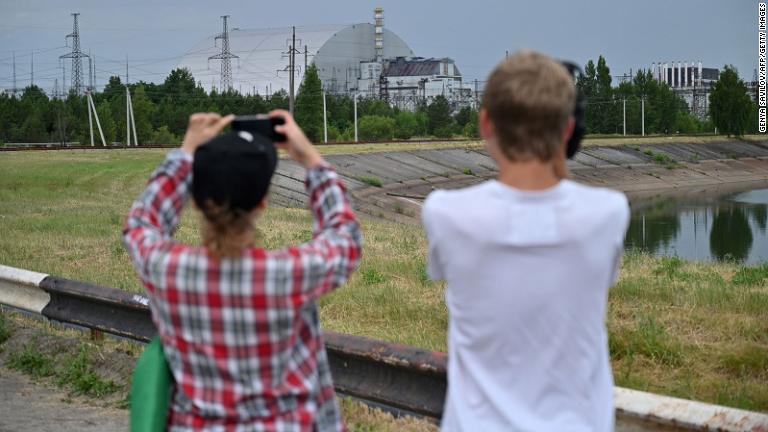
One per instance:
[(434, 267)]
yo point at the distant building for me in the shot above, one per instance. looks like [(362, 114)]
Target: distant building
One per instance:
[(691, 81), (405, 82), (360, 59)]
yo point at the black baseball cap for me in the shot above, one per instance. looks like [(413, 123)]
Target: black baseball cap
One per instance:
[(233, 170)]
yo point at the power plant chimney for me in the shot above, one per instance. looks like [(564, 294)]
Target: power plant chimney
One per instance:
[(378, 15)]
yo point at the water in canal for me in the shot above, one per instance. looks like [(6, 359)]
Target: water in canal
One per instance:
[(704, 226)]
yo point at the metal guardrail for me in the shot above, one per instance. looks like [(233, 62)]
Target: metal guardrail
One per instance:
[(397, 377)]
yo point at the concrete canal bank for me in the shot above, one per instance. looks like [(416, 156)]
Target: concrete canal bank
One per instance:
[(391, 185)]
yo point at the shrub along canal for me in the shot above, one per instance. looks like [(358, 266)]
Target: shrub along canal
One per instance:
[(712, 225)]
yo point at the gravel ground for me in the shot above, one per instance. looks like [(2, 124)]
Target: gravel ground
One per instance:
[(27, 406)]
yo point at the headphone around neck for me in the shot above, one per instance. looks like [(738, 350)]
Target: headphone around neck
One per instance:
[(579, 109)]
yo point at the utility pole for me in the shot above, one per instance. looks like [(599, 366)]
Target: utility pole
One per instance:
[(126, 71), (642, 113), (624, 102), (293, 70), (127, 116), (306, 57), (90, 118), (63, 81), (355, 103), (14, 89), (32, 69), (90, 72), (225, 56), (92, 108), (325, 121), (76, 55)]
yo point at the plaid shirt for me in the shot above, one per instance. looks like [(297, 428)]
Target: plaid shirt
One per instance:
[(242, 335)]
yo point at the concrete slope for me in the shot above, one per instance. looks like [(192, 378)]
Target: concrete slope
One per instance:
[(406, 177)]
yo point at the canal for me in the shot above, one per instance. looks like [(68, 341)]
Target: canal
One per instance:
[(708, 225)]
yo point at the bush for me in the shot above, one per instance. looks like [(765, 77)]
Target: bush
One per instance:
[(333, 133), (407, 125), (471, 130), (376, 128), (163, 136), (444, 131), (371, 180)]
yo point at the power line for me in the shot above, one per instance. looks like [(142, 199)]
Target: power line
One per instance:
[(225, 56), (76, 55)]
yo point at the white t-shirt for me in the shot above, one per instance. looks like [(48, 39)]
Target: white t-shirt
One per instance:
[(528, 276)]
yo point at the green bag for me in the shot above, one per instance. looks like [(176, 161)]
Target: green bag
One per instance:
[(151, 390)]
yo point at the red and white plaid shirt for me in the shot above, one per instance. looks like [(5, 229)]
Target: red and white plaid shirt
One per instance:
[(242, 335)]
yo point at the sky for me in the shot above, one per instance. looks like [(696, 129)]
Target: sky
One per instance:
[(153, 35)]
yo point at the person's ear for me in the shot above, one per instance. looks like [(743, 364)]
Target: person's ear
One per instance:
[(488, 134), (487, 129)]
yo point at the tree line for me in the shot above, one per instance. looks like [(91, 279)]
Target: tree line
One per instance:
[(731, 110), (161, 110)]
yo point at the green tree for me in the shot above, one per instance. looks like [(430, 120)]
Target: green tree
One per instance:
[(407, 125), (729, 103), (604, 107), (309, 105), (439, 115), (376, 128), (107, 122), (164, 136), (35, 121), (371, 107), (278, 100), (587, 84), (143, 112)]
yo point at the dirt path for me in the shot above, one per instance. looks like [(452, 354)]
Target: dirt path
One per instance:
[(27, 406)]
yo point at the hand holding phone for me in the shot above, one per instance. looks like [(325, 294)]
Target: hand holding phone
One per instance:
[(296, 144), (260, 124)]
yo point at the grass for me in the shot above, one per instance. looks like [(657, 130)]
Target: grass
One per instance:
[(692, 330), (31, 362), (5, 332), (616, 140), (662, 159), (74, 372), (79, 375), (371, 180)]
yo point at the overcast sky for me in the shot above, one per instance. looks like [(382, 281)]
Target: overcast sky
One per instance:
[(154, 34)]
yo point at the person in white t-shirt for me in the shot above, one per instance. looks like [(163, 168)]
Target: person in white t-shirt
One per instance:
[(528, 259)]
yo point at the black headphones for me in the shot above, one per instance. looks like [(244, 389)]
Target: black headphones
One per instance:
[(579, 110)]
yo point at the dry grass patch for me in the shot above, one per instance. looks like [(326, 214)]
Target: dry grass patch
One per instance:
[(617, 140), (362, 418)]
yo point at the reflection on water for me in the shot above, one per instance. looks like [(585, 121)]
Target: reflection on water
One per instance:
[(704, 227)]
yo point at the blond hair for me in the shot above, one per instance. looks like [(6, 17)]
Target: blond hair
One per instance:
[(529, 98)]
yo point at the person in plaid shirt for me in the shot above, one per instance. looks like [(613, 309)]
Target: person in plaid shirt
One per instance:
[(239, 324)]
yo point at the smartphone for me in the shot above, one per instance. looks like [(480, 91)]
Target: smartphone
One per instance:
[(260, 124)]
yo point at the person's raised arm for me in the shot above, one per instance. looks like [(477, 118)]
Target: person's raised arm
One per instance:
[(336, 248), (154, 216)]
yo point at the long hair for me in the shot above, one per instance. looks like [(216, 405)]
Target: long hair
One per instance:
[(223, 230)]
